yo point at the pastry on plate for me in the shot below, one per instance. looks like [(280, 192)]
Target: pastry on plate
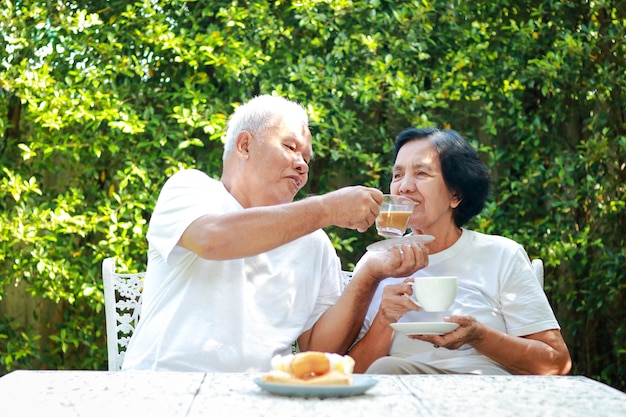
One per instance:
[(311, 368)]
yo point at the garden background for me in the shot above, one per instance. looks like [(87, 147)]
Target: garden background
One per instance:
[(101, 101)]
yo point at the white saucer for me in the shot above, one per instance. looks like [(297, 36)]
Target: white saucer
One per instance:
[(430, 328), (388, 243), (361, 384)]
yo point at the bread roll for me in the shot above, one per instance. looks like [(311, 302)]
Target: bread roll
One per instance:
[(309, 365), (331, 378), (311, 368)]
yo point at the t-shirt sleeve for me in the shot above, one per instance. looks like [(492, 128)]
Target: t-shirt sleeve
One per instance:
[(372, 310), (525, 306), (330, 285), (185, 197)]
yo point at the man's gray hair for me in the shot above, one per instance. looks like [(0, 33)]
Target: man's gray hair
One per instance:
[(260, 113)]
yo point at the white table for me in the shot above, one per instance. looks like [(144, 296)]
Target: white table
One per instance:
[(113, 394)]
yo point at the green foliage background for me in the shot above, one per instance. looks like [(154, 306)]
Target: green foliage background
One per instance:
[(101, 101)]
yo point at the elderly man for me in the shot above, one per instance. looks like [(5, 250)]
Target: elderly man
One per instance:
[(237, 270)]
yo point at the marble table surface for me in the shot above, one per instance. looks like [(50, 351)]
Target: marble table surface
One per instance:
[(100, 393)]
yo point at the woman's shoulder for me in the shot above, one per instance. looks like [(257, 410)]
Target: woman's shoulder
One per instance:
[(486, 240)]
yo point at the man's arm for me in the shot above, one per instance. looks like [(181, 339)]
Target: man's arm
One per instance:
[(259, 229)]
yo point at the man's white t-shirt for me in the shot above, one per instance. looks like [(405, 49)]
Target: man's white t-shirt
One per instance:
[(233, 315), (497, 286)]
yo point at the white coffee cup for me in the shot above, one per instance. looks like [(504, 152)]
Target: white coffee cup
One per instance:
[(434, 293)]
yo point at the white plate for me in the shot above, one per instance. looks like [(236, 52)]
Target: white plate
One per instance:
[(436, 328), (361, 384), (388, 243)]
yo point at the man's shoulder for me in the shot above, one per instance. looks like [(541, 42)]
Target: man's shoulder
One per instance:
[(191, 178), (190, 174)]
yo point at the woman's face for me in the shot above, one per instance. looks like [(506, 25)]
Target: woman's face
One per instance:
[(417, 175)]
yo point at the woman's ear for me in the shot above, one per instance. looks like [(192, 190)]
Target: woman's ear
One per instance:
[(455, 200), (242, 144)]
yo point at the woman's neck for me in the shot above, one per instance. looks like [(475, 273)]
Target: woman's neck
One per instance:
[(443, 239)]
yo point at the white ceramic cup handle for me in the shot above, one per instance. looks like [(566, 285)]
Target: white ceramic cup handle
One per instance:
[(412, 297)]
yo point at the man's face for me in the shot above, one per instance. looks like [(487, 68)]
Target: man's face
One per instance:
[(278, 163)]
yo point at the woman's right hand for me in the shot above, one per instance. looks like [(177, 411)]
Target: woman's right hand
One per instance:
[(398, 261), (395, 301)]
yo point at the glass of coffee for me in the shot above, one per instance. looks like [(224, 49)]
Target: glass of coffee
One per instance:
[(394, 215)]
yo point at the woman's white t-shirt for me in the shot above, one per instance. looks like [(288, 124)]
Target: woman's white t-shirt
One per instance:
[(233, 315), (497, 286)]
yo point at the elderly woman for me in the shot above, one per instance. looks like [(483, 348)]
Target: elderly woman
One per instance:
[(506, 325)]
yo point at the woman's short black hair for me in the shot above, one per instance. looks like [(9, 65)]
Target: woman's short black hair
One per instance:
[(463, 172)]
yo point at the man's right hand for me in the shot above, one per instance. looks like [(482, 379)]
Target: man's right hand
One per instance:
[(353, 207)]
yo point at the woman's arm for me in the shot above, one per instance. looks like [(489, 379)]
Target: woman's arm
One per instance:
[(542, 353), (337, 329), (377, 341)]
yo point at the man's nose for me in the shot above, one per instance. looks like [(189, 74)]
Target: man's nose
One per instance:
[(301, 165)]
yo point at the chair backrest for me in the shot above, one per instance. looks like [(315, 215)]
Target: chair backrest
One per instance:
[(346, 276), (122, 307)]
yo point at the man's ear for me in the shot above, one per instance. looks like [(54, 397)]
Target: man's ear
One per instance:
[(242, 144)]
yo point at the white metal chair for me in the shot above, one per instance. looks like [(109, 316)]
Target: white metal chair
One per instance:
[(538, 268), (122, 307), (346, 276)]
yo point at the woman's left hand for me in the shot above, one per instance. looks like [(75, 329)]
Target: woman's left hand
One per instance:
[(468, 331), (541, 353)]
